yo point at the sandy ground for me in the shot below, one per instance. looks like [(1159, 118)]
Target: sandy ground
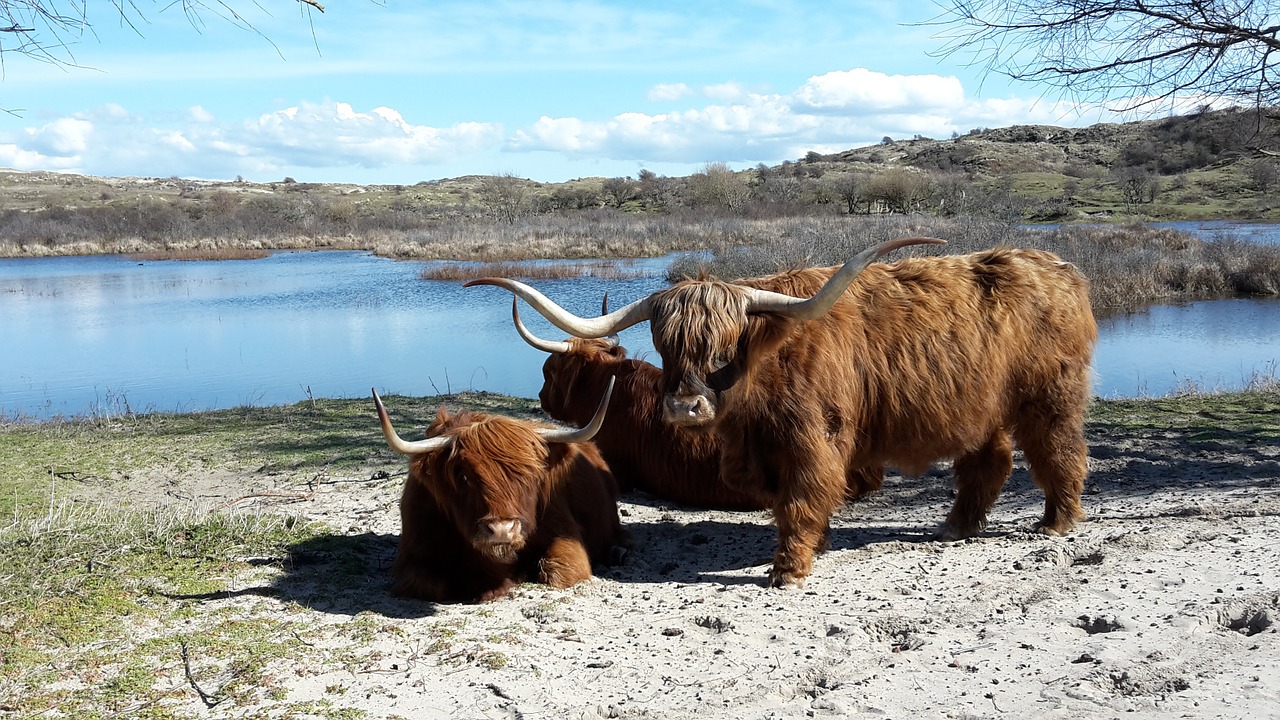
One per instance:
[(1165, 603)]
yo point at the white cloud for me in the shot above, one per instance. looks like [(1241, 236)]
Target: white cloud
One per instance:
[(198, 114), (668, 92), (829, 112), (13, 156), (335, 134), (62, 137), (107, 113), (724, 91), (313, 135), (862, 91)]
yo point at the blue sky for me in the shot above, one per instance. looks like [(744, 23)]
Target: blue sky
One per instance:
[(401, 92)]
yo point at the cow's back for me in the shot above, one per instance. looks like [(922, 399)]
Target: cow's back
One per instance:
[(925, 358)]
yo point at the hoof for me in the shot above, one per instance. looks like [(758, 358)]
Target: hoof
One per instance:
[(785, 581), (950, 533), (617, 555)]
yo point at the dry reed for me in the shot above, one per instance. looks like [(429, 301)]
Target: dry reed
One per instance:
[(530, 271), (219, 253)]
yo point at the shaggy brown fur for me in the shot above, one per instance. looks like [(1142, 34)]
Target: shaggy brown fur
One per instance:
[(644, 452), (920, 360), (498, 506)]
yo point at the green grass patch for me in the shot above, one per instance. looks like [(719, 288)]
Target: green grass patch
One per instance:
[(1202, 420), (82, 585), (40, 462)]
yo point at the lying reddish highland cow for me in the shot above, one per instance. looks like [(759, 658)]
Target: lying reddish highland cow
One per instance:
[(491, 502)]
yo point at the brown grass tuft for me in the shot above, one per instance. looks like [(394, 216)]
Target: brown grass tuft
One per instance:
[(221, 253), (531, 271)]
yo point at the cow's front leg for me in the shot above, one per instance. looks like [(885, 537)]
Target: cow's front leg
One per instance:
[(565, 563), (809, 492)]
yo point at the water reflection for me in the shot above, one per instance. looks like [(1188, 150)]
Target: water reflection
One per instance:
[(105, 334), (1219, 344)]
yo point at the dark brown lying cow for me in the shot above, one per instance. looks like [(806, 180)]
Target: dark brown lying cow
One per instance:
[(665, 460), (491, 502), (921, 360)]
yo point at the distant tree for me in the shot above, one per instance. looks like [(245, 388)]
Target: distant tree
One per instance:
[(507, 196), (956, 194), (44, 30), (621, 190), (851, 189), (778, 189), (1137, 186), (900, 189), (718, 184), (1263, 174), (1140, 153), (1070, 189), (566, 198), (656, 191), (1144, 51)]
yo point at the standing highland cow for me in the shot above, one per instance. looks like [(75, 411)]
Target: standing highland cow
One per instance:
[(643, 451), (920, 360), (491, 502)]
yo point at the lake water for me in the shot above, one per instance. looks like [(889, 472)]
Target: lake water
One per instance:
[(107, 334), (1251, 230)]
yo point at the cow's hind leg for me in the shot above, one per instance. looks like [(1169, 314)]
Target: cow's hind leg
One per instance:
[(979, 477), (1055, 448), (862, 481)]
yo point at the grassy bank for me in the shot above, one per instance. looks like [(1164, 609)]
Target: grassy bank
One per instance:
[(120, 600)]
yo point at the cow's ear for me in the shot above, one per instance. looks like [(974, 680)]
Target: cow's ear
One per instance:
[(556, 453), (442, 415), (765, 332)]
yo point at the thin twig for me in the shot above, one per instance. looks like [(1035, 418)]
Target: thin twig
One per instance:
[(208, 700), (298, 497)]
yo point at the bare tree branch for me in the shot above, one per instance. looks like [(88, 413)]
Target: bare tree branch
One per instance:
[(46, 30), (1141, 52)]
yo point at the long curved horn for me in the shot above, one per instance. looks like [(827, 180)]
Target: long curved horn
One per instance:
[(762, 301), (622, 318), (551, 346), (399, 444), (604, 310), (589, 430)]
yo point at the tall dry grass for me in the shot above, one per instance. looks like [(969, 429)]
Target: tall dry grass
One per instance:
[(1129, 266)]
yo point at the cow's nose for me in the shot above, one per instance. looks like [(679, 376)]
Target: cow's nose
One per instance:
[(502, 531), (688, 410)]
